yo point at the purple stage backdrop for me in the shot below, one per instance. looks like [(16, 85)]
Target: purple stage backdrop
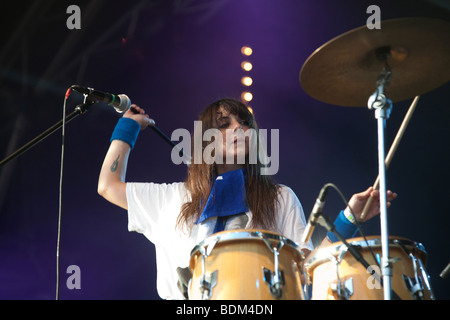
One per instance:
[(173, 58)]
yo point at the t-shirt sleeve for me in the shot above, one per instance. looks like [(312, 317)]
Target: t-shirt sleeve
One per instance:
[(153, 207), (292, 221)]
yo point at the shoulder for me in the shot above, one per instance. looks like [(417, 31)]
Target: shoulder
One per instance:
[(154, 185), (159, 190), (287, 196)]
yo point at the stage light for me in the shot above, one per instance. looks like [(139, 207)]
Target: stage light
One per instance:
[(247, 96), (246, 51), (250, 109), (247, 66), (247, 81)]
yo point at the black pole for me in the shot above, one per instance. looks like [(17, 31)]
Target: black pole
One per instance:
[(164, 137), (80, 109)]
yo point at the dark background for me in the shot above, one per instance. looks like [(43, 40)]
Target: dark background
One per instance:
[(173, 58)]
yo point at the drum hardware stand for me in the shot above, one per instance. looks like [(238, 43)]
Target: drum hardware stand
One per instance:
[(207, 282), (415, 285), (344, 291), (426, 278), (383, 107), (298, 270), (275, 279), (330, 227)]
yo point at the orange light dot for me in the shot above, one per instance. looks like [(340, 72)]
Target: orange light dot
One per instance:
[(247, 66), (247, 81), (247, 96), (246, 51)]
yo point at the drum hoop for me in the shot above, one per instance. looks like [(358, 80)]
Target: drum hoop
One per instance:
[(243, 234), (323, 255)]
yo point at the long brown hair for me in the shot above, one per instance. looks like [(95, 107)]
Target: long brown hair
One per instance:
[(261, 190)]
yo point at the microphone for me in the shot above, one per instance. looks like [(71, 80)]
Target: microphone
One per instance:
[(445, 272), (315, 213), (121, 102)]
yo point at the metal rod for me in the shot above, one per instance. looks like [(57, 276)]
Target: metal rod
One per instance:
[(391, 152), (80, 109), (166, 138), (383, 107), (385, 263)]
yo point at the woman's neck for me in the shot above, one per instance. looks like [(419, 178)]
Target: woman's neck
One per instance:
[(222, 168)]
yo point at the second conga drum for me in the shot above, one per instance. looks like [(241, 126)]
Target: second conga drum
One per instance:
[(336, 275)]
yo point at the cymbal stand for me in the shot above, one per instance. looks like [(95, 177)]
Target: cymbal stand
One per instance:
[(382, 107)]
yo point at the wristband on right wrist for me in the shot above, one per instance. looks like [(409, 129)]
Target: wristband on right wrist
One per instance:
[(126, 130), (349, 215), (344, 227)]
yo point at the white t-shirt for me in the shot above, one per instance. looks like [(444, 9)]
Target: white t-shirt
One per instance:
[(153, 210)]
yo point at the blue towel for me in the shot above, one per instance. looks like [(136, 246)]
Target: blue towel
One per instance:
[(227, 198)]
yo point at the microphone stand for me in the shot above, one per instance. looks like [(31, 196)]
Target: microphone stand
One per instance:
[(79, 110), (330, 227)]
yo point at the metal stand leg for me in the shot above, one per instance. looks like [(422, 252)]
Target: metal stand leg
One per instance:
[(386, 269), (383, 107)]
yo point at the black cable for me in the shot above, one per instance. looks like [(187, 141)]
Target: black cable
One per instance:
[(357, 224), (58, 241)]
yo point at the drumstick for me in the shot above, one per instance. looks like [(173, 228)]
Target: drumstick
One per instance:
[(391, 152)]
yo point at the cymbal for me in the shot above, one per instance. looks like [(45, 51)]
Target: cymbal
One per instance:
[(344, 71)]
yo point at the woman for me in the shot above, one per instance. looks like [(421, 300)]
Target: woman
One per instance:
[(217, 196)]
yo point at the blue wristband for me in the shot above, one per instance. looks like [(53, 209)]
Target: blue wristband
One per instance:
[(126, 130), (344, 227)]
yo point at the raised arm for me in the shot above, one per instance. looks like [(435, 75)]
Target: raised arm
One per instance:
[(111, 182)]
